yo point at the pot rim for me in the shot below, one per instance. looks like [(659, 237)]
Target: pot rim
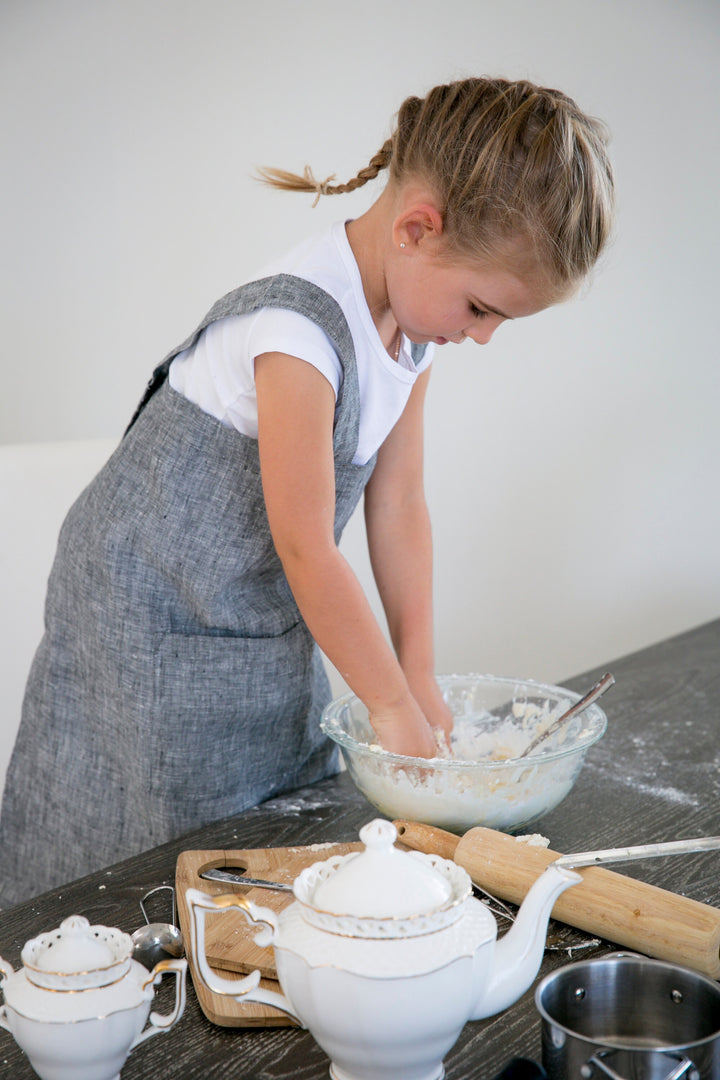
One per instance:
[(617, 1043)]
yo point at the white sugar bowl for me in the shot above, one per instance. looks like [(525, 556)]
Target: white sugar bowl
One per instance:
[(385, 955), (79, 1004)]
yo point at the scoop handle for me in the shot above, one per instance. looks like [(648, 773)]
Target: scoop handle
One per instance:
[(585, 701)]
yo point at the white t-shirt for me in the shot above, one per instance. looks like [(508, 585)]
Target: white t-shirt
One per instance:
[(218, 372)]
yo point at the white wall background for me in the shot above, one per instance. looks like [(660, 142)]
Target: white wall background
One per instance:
[(572, 464)]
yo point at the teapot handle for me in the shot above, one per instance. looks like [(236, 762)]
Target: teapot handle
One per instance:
[(247, 989), (5, 972), (164, 1023)]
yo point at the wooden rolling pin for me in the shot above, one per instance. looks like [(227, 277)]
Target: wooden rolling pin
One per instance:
[(620, 909)]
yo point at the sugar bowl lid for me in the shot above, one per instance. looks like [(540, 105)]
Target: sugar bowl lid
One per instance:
[(77, 956), (382, 891)]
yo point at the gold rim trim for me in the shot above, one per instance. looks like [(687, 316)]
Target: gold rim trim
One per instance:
[(90, 971), (77, 989), (82, 1020), (228, 900), (368, 920), (160, 968), (378, 978)]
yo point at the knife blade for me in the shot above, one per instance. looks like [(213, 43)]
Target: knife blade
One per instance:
[(216, 874)]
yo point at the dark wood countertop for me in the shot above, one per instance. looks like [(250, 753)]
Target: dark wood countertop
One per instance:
[(654, 776)]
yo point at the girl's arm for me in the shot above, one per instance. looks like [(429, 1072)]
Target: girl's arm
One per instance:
[(296, 407), (400, 542)]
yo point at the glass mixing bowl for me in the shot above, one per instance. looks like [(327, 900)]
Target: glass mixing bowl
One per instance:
[(492, 716)]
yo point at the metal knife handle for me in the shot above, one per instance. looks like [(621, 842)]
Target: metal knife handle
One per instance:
[(642, 851), (240, 879)]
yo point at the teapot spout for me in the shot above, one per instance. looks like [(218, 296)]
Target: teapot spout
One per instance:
[(519, 953)]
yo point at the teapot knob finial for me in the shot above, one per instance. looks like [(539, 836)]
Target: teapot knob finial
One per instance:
[(75, 926), (378, 835)]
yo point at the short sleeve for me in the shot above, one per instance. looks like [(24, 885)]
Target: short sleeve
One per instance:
[(278, 330)]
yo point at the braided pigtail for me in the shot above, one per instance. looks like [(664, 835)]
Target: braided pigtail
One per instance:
[(288, 181), (521, 176)]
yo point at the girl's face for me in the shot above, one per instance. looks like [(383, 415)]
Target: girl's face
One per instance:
[(434, 299)]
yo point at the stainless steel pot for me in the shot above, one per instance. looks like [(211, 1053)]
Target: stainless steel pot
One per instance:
[(629, 1018)]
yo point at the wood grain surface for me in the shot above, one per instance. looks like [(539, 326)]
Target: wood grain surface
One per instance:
[(654, 776)]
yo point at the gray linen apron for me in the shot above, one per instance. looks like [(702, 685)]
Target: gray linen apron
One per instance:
[(176, 682)]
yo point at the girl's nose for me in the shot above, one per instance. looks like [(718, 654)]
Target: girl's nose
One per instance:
[(480, 337), (481, 331)]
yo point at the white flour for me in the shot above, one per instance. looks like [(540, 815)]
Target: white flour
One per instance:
[(533, 840), (506, 794), (473, 740)]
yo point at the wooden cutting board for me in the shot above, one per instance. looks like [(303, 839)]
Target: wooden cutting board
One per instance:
[(230, 945)]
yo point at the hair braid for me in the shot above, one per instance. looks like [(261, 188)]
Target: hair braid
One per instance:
[(520, 173), (287, 181)]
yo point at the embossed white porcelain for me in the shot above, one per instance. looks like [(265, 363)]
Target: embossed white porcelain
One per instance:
[(385, 955), (80, 1003)]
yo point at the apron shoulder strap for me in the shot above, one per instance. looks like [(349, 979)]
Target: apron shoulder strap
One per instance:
[(293, 294)]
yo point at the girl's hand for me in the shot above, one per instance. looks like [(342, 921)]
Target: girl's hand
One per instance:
[(404, 730), (428, 696)]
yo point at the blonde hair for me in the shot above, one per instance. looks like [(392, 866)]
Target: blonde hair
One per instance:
[(520, 173)]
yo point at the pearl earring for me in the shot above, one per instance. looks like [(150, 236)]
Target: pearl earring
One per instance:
[(402, 245)]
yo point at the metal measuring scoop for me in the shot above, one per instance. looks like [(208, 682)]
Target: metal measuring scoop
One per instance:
[(587, 699), (157, 941)]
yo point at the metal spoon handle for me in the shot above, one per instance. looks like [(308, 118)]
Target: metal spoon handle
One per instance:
[(157, 889), (642, 851), (592, 695)]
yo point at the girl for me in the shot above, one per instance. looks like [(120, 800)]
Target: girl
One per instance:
[(179, 679)]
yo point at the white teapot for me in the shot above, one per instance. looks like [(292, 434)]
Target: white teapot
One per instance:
[(385, 955), (79, 1004)]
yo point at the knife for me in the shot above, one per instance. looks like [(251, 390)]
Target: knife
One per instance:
[(642, 851), (434, 841), (580, 858), (217, 874)]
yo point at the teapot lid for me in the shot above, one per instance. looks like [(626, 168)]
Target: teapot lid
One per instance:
[(381, 881), (77, 956), (382, 891)]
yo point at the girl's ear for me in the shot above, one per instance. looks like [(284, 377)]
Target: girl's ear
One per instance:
[(420, 225)]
